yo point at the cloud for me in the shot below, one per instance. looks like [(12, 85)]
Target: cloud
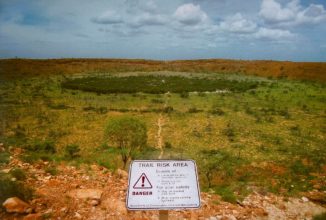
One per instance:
[(291, 14), (149, 6), (147, 19), (108, 17), (272, 11), (190, 14), (238, 24), (274, 34), (312, 15)]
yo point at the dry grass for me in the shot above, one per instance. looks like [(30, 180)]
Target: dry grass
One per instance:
[(13, 68)]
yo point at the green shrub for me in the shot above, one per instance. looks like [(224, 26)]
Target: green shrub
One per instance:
[(72, 151), (201, 94), (168, 109), (39, 150), (285, 113), (51, 170), (226, 193), (298, 168), (320, 216), (4, 158), (46, 146), (30, 157), (184, 95), (10, 188), (194, 110), (156, 84), (19, 131), (167, 145), (128, 134), (229, 132), (217, 111), (18, 173), (157, 101)]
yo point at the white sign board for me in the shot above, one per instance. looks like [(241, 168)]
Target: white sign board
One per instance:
[(163, 185)]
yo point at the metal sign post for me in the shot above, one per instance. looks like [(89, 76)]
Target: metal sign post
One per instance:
[(163, 185), (163, 215)]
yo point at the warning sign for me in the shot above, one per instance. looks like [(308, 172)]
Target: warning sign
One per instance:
[(163, 185), (143, 182)]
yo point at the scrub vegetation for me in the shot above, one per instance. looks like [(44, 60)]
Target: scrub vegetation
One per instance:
[(245, 132), (156, 84)]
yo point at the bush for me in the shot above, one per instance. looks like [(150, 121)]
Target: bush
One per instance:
[(72, 151), (320, 216), (46, 146), (229, 132), (226, 193), (18, 173), (217, 163), (10, 188), (4, 158), (19, 131), (168, 145), (285, 113), (51, 170), (217, 111), (39, 150), (157, 101), (128, 134), (184, 95), (168, 109), (194, 110), (156, 84)]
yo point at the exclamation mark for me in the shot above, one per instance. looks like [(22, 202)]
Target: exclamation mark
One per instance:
[(143, 181)]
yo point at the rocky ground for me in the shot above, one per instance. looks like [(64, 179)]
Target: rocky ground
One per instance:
[(93, 192)]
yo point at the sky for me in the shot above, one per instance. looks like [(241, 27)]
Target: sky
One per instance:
[(292, 30)]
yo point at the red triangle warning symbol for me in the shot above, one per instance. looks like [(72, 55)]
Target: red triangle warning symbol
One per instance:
[(143, 182)]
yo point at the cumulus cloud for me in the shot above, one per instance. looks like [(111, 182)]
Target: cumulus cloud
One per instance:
[(147, 19), (238, 24), (291, 14), (313, 14), (190, 14), (108, 17), (272, 11), (273, 34), (149, 6)]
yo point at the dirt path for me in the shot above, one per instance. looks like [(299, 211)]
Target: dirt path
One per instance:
[(160, 123)]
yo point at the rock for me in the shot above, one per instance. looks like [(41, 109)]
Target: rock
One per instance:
[(231, 217), (47, 177), (77, 215), (218, 217), (305, 199), (122, 174), (16, 205), (48, 212), (319, 197), (94, 202), (6, 170), (86, 194), (35, 216), (75, 185)]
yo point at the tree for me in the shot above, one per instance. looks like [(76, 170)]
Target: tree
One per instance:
[(128, 134), (213, 161)]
